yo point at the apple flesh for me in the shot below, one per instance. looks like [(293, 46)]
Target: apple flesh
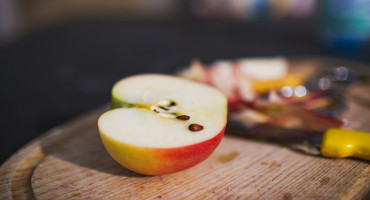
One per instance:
[(162, 124)]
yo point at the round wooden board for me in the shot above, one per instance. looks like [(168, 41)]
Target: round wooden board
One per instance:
[(70, 162)]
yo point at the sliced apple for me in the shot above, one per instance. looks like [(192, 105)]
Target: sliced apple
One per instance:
[(162, 124)]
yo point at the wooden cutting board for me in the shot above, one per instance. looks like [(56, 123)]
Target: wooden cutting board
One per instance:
[(70, 162)]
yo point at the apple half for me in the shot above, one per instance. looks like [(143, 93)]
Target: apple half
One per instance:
[(162, 124)]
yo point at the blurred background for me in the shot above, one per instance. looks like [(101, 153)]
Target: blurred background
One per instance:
[(59, 59)]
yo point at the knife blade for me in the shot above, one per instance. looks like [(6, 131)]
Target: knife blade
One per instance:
[(334, 142)]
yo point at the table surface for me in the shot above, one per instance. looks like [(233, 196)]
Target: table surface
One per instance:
[(71, 162)]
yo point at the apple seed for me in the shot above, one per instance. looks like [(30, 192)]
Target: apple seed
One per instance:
[(163, 108), (195, 127), (183, 117)]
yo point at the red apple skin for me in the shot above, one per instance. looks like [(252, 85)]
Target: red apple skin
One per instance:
[(158, 161)]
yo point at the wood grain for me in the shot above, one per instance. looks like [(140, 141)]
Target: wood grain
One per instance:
[(70, 162)]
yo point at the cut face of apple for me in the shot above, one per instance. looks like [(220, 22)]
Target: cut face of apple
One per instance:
[(162, 124)]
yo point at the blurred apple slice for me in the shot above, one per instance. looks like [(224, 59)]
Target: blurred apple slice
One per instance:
[(264, 69), (223, 77), (162, 124)]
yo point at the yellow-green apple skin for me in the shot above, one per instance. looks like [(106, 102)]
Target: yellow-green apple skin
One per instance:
[(149, 142)]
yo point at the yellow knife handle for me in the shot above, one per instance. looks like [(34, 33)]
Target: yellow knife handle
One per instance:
[(342, 143)]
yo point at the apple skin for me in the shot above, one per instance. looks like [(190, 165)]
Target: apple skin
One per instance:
[(158, 161)]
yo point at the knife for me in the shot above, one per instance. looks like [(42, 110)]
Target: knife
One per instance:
[(334, 142)]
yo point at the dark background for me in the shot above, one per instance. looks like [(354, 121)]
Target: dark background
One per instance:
[(55, 74)]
